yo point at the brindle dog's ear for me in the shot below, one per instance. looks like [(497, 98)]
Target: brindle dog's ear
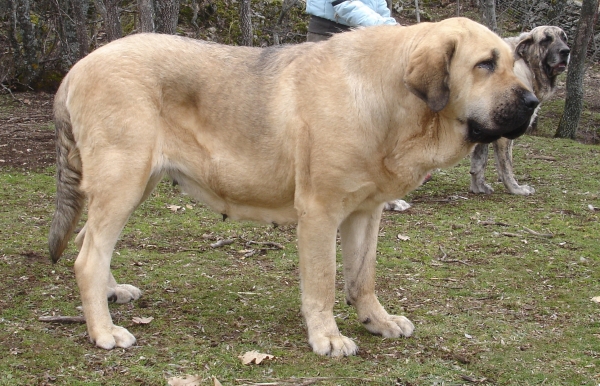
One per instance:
[(428, 72), (525, 41)]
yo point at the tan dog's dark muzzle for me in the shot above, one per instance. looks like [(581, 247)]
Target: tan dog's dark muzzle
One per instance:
[(530, 103), (509, 121)]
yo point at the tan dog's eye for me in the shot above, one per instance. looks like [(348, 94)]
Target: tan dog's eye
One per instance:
[(489, 65)]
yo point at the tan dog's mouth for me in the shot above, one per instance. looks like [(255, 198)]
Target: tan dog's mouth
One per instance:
[(518, 132), (507, 122), (478, 134)]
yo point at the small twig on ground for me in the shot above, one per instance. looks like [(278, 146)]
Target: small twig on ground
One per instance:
[(445, 260), (267, 243), (221, 243), (510, 234), (442, 250), (546, 235), (503, 224), (543, 157), (249, 253), (455, 261), (244, 294), (62, 319), (473, 380), (192, 250), (443, 278), (446, 287), (300, 381)]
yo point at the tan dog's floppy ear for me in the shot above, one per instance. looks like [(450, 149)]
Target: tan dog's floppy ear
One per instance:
[(428, 72), (525, 41)]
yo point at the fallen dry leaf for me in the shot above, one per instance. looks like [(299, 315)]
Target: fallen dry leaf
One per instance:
[(138, 320), (254, 357), (403, 238), (188, 380), (216, 381), (596, 299), (173, 208)]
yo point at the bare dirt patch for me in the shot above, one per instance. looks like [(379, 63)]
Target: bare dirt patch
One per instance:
[(26, 131)]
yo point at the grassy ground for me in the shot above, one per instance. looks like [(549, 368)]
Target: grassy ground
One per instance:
[(493, 302)]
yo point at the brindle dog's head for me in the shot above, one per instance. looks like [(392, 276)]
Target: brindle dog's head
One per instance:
[(546, 52)]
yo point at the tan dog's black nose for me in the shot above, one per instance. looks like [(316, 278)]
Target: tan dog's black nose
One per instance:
[(530, 101)]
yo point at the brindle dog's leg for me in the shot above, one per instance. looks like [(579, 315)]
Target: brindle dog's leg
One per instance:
[(479, 158), (503, 155)]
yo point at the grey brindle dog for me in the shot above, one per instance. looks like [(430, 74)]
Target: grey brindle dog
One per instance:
[(544, 54)]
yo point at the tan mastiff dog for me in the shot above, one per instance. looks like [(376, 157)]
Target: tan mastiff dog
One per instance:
[(321, 134), (544, 55)]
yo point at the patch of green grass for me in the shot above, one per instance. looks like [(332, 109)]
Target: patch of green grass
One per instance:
[(490, 299)]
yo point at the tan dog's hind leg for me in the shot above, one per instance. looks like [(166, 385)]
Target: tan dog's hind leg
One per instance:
[(359, 243), (479, 158), (316, 247), (503, 156), (92, 271), (125, 293), (113, 195)]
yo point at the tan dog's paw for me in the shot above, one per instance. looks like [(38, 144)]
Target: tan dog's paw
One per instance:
[(117, 337), (123, 293), (396, 206), (389, 326), (334, 346)]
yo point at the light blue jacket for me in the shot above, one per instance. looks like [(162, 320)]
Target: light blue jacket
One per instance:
[(352, 13)]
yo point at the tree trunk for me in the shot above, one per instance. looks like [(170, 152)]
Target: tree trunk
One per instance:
[(246, 23), (67, 30), (24, 42), (109, 9), (195, 10), (79, 17), (489, 14), (417, 12), (146, 12), (167, 13), (567, 127)]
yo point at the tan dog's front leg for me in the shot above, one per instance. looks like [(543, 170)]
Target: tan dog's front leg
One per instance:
[(316, 247), (359, 243)]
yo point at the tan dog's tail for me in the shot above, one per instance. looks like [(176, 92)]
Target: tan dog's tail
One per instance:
[(69, 197)]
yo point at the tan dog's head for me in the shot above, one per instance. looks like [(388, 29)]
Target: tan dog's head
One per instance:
[(545, 51), (465, 72)]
